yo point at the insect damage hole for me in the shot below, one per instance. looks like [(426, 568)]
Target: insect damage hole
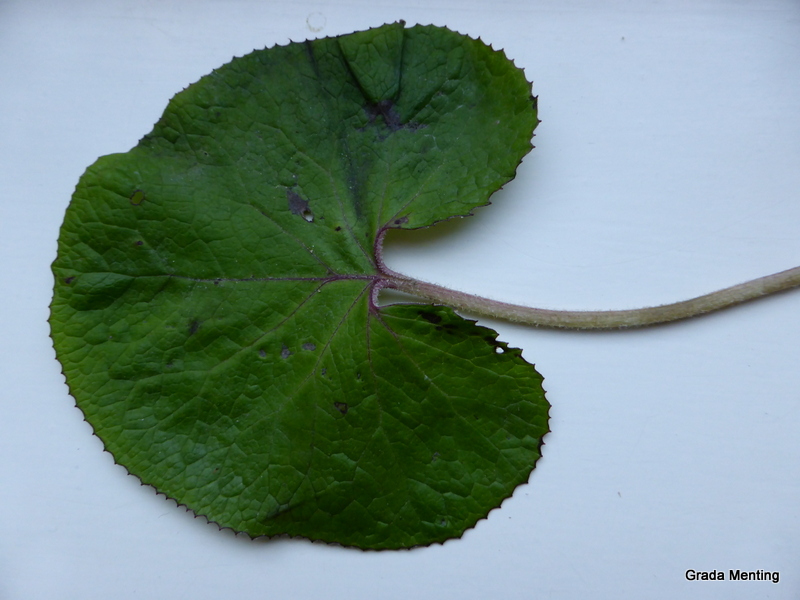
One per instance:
[(137, 197)]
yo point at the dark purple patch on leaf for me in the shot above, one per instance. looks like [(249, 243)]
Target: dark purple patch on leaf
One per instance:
[(431, 317), (193, 327), (299, 206)]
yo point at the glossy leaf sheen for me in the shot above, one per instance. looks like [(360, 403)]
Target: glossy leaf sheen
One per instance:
[(213, 306)]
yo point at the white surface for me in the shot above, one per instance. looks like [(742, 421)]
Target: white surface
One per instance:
[(666, 166)]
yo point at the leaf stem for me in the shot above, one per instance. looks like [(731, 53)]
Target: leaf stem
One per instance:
[(594, 319)]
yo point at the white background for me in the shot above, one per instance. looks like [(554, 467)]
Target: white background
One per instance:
[(666, 167)]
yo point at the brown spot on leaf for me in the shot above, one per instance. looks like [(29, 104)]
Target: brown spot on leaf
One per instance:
[(69, 280)]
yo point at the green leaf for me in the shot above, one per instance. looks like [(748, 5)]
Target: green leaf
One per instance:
[(214, 306)]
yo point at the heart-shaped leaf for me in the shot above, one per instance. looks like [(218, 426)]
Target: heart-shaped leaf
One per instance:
[(215, 310)]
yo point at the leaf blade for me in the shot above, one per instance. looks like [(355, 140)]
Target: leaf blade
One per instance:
[(214, 312)]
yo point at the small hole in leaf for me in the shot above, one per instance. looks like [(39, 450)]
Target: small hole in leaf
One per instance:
[(307, 215), (69, 280), (139, 243), (137, 197), (341, 407), (338, 228), (499, 350)]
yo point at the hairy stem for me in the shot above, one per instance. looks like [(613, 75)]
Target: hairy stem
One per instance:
[(595, 319)]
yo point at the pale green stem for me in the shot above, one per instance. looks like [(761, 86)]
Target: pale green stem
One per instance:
[(595, 319)]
